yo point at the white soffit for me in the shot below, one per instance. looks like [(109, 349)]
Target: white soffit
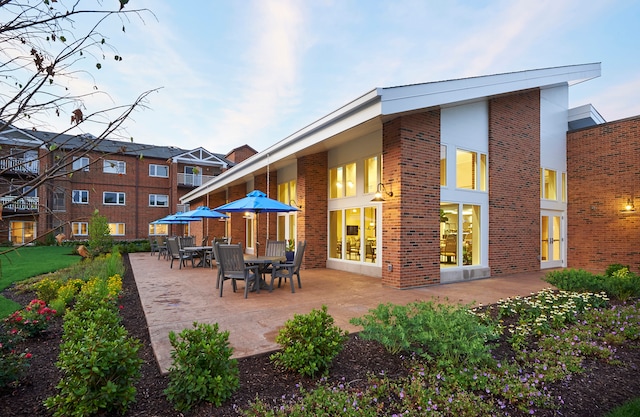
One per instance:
[(418, 96)]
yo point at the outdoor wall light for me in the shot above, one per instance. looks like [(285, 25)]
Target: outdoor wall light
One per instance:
[(381, 189), (629, 206), (295, 204)]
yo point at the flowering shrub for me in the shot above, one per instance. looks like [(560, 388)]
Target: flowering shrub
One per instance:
[(47, 288), (13, 364), (32, 320)]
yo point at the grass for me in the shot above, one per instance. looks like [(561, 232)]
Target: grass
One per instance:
[(26, 262), (630, 409)]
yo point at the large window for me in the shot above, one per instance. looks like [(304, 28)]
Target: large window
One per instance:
[(158, 171), (21, 233), (80, 229), (80, 197), (111, 166), (471, 170), (113, 198), (158, 200), (158, 229), (459, 235), (443, 165), (548, 184), (80, 164), (343, 181), (287, 221), (372, 175), (59, 200), (116, 229), (352, 234)]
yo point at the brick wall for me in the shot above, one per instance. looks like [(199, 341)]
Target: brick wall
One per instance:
[(411, 170), (603, 171), (514, 183), (311, 188)]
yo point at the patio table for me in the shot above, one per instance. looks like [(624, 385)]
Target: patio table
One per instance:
[(202, 252), (263, 262)]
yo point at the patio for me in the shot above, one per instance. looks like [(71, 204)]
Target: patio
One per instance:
[(173, 299)]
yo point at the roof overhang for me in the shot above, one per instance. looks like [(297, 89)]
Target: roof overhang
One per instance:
[(367, 112)]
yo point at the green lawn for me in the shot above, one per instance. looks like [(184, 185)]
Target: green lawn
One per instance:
[(630, 409), (27, 262)]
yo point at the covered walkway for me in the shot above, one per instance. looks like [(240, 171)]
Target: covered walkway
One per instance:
[(173, 299)]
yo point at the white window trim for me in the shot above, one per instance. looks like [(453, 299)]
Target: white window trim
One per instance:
[(73, 227), (82, 192), (155, 174), (124, 230), (83, 161), (155, 200), (113, 166), (124, 203)]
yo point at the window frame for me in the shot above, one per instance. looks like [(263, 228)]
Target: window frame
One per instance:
[(116, 227), (114, 166), (80, 226), (155, 169), (84, 193), (83, 163), (118, 195), (154, 197)]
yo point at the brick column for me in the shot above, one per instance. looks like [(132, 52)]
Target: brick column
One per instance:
[(514, 183), (410, 219), (312, 185)]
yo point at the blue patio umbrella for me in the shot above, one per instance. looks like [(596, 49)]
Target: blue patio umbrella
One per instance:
[(172, 219), (256, 202), (200, 213)]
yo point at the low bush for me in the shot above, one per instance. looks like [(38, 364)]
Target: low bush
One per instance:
[(309, 343), (202, 367), (99, 364), (447, 333), (32, 320), (618, 282), (13, 364)]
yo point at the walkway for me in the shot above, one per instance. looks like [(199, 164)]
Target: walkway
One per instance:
[(173, 299)]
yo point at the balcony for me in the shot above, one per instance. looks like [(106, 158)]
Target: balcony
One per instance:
[(23, 204), (20, 165), (193, 180)]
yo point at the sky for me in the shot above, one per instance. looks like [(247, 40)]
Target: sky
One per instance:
[(253, 72)]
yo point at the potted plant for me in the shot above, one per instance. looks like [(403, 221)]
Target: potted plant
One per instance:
[(290, 249)]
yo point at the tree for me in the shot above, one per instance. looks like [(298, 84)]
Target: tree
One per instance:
[(45, 57), (100, 240)]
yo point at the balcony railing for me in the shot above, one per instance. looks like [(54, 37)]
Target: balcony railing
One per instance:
[(193, 180), (21, 165), (22, 204)]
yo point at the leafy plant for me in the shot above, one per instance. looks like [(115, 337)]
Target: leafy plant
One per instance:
[(450, 334), (202, 367), (13, 364), (32, 320), (99, 364), (100, 240), (309, 342)]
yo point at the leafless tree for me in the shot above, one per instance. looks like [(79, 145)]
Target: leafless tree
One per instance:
[(49, 48)]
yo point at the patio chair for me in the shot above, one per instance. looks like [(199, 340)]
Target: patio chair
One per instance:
[(176, 253), (231, 266), (153, 245), (163, 250), (287, 270), (275, 248)]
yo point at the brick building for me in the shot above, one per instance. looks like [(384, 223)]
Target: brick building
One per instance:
[(473, 172), (131, 184)]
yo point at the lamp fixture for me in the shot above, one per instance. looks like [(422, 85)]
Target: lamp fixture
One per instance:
[(378, 196), (295, 204), (629, 206)]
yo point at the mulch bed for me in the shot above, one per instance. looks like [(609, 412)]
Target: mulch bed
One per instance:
[(592, 393)]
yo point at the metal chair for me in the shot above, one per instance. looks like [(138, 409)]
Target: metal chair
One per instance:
[(287, 270), (231, 266)]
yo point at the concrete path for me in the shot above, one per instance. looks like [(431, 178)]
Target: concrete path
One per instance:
[(173, 299)]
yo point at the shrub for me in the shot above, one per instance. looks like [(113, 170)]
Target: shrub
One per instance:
[(452, 334), (32, 320), (615, 267), (13, 364), (577, 280), (99, 364), (202, 369), (47, 288), (309, 343), (100, 240), (622, 284)]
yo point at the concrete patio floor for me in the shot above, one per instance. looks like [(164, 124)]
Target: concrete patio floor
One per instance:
[(173, 299)]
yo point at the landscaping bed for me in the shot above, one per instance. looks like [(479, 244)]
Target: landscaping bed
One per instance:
[(601, 387)]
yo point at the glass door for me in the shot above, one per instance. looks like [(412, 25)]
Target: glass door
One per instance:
[(552, 240)]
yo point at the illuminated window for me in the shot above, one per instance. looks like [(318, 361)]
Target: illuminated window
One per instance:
[(158, 229), (80, 228), (116, 229), (342, 181), (471, 170), (371, 174), (549, 184), (459, 235), (443, 166)]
